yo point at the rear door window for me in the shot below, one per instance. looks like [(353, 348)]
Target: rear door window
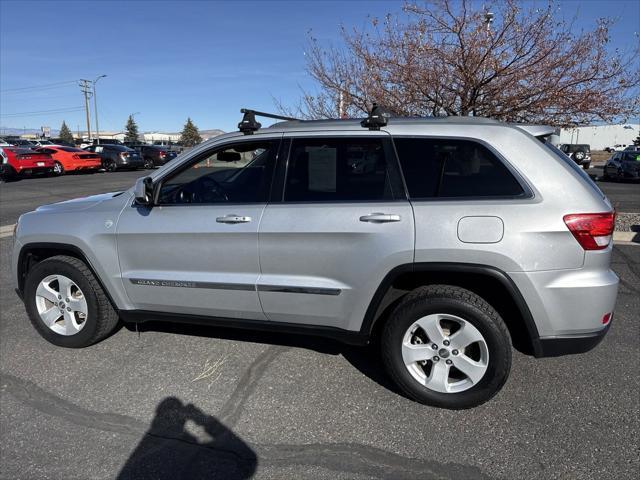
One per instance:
[(342, 169), (451, 168)]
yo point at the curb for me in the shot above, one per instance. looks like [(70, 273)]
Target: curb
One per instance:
[(626, 238)]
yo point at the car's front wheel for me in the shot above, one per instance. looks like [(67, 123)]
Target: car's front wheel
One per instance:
[(66, 304), (148, 163), (447, 347)]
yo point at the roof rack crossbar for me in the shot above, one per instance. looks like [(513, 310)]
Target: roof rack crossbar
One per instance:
[(266, 115), (249, 124)]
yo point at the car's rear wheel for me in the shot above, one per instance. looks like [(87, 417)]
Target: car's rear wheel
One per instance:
[(445, 346), (58, 169), (66, 304), (148, 163), (110, 166)]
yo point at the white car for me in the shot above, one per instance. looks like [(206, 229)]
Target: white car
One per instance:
[(618, 147)]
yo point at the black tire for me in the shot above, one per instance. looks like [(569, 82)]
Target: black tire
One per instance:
[(110, 166), (8, 175), (58, 169), (463, 304), (148, 163), (101, 317)]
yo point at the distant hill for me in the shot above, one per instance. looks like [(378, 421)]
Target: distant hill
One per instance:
[(54, 132)]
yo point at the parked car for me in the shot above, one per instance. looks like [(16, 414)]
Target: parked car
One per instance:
[(456, 244), (62, 143), (22, 143), (69, 159), (579, 153), (43, 143), (618, 147), (18, 162), (632, 148), (155, 156), (4, 143), (115, 157), (623, 166)]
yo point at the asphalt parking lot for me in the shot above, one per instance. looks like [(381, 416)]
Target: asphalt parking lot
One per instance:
[(175, 401)]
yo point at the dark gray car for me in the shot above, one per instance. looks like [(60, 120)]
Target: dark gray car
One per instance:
[(155, 155), (115, 157)]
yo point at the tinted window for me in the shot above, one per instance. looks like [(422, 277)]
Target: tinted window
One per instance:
[(453, 168), (239, 173), (339, 169), (70, 149)]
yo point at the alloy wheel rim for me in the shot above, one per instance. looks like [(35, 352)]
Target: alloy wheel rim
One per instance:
[(57, 168), (445, 353), (61, 305)]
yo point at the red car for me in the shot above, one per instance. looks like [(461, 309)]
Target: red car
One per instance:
[(69, 159), (17, 162)]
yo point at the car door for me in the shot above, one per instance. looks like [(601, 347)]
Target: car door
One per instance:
[(339, 225), (195, 251)]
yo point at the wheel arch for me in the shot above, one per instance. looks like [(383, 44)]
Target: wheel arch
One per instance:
[(34, 253), (490, 283)]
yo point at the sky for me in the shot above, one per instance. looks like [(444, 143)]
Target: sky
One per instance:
[(169, 60)]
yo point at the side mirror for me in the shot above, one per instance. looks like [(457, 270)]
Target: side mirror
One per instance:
[(143, 191)]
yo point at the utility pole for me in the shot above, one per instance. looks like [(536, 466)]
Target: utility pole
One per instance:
[(86, 90), (95, 107)]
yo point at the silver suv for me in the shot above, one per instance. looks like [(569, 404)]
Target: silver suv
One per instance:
[(446, 241)]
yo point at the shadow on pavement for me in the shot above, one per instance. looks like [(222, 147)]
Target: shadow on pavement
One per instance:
[(365, 359), (185, 443)]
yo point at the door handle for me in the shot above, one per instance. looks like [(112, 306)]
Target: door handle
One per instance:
[(380, 218), (233, 218)]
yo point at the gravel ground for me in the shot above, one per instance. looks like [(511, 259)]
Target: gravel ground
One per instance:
[(628, 222)]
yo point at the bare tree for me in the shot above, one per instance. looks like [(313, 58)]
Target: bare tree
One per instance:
[(463, 58)]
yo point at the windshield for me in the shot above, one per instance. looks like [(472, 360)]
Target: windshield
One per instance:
[(630, 157)]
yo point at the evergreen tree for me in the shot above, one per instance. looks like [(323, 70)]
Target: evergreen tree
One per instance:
[(65, 134), (190, 135), (131, 134)]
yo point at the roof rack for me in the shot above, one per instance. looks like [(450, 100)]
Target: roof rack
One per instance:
[(249, 124), (378, 117)]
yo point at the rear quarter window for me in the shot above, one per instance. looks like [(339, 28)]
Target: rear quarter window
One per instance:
[(452, 168)]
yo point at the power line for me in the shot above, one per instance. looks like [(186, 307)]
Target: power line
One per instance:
[(42, 112), (45, 86)]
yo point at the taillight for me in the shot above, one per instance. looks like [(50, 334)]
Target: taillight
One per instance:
[(163, 154), (124, 155), (593, 231)]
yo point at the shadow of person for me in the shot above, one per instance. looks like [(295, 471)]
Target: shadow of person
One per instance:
[(185, 443)]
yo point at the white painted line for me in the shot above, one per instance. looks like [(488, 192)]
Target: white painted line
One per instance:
[(6, 230)]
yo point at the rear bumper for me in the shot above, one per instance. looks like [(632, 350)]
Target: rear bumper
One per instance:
[(568, 345), (93, 165), (569, 306), (34, 170), (130, 164)]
